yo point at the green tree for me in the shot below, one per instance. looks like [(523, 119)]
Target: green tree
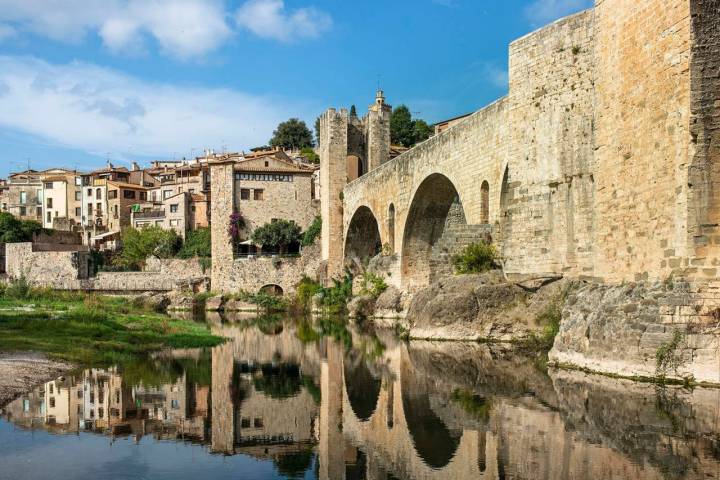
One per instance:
[(138, 245), (292, 134), (402, 131), (13, 230), (422, 130), (197, 244), (310, 155), (312, 232), (317, 130), (353, 111), (277, 235)]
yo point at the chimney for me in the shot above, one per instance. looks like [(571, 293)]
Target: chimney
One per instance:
[(135, 167)]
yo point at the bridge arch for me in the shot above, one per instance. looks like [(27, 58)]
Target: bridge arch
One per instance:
[(272, 289), (435, 206), (362, 387), (362, 240)]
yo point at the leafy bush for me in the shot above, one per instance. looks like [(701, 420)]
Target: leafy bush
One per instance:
[(235, 226), (197, 244), (13, 230), (310, 155), (312, 233), (373, 285), (278, 234), (18, 289), (335, 298), (475, 258), (306, 290), (667, 357), (271, 303), (138, 245)]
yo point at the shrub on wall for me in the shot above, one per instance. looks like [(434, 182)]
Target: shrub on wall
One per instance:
[(475, 258), (138, 245), (197, 244), (373, 285), (313, 232), (13, 230), (278, 234)]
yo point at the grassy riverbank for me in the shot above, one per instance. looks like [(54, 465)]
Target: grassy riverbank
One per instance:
[(87, 329)]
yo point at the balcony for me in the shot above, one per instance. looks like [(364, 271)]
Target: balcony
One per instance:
[(150, 214)]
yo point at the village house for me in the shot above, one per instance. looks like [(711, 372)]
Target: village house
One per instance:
[(62, 199), (25, 195), (3, 195)]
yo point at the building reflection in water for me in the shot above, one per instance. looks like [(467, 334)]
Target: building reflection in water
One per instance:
[(383, 409)]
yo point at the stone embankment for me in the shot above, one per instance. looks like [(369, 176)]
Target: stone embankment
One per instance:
[(669, 329)]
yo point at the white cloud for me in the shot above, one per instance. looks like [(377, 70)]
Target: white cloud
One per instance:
[(269, 19), (182, 28), (98, 110), (540, 12)]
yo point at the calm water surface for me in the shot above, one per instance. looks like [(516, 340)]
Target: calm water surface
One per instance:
[(283, 401)]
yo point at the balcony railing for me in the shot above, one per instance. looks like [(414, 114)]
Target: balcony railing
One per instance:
[(150, 214)]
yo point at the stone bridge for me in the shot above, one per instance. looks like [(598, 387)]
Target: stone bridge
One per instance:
[(597, 164)]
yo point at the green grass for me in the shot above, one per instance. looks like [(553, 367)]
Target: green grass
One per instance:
[(88, 329)]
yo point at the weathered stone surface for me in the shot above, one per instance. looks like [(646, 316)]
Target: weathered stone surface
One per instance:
[(600, 331), (362, 306), (240, 306), (182, 301), (472, 307), (214, 304)]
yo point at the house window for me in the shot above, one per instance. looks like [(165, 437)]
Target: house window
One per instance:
[(112, 194), (48, 185), (23, 211), (143, 196), (98, 208), (244, 194), (258, 194), (174, 223), (191, 191), (49, 217), (192, 208), (89, 192), (245, 423), (258, 423), (98, 193), (52, 402), (23, 198), (115, 210), (129, 194), (167, 194), (38, 197), (78, 196), (267, 164), (78, 181), (48, 202), (174, 404), (174, 208), (89, 208), (78, 211), (38, 212)]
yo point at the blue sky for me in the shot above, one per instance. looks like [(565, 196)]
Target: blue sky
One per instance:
[(82, 81)]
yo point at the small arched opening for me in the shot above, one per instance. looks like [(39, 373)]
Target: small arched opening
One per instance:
[(485, 202), (504, 193), (272, 289)]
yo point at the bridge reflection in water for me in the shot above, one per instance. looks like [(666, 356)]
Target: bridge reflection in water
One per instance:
[(382, 409)]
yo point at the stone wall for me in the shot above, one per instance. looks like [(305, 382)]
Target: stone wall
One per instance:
[(251, 274), (620, 329), (70, 270)]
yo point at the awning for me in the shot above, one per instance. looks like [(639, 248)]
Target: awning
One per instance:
[(247, 242), (103, 236)]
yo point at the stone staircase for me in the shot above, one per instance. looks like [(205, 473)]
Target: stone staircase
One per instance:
[(453, 240)]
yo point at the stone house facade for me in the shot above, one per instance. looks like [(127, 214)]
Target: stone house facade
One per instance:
[(62, 199), (24, 197)]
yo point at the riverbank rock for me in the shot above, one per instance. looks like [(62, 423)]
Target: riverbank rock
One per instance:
[(214, 304), (157, 302), (21, 371), (624, 329), (182, 301), (480, 307), (240, 306), (361, 306)]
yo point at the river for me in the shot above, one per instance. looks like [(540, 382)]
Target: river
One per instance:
[(281, 400)]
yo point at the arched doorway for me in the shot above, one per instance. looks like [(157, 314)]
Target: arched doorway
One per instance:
[(355, 167), (435, 209), (362, 241), (391, 227), (272, 289), (485, 202)]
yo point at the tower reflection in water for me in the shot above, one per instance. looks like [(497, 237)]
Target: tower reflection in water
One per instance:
[(359, 406)]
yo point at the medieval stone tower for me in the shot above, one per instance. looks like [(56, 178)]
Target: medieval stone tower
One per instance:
[(349, 148)]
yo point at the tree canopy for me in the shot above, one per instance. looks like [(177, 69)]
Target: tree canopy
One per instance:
[(292, 134), (138, 245), (404, 130), (278, 234), (13, 230), (197, 244)]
